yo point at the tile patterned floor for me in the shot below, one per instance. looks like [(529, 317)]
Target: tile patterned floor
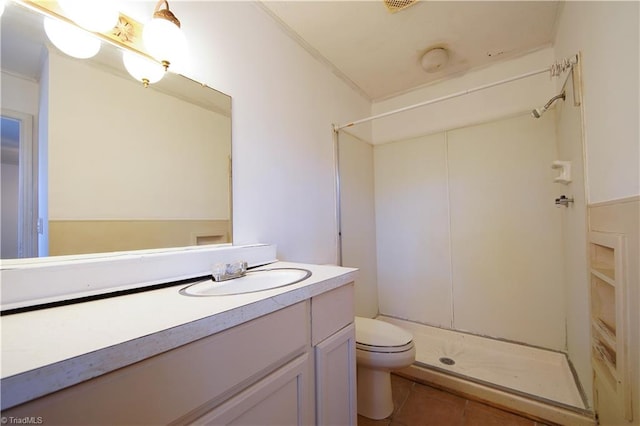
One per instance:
[(420, 405)]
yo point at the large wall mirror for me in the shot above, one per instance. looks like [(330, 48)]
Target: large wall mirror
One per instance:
[(93, 162)]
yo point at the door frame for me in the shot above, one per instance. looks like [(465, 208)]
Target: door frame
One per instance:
[(28, 185)]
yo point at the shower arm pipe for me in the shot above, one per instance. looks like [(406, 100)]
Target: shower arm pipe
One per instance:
[(552, 69)]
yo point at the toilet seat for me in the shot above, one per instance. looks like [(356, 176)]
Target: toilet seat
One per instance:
[(384, 349), (378, 336)]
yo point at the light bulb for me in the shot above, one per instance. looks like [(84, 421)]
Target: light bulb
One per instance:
[(162, 37), (142, 69), (93, 15), (70, 39), (164, 40)]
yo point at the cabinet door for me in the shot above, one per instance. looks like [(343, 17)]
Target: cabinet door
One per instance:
[(281, 398), (335, 359)]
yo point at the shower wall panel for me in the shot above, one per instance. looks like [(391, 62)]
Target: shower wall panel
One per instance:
[(574, 237), (468, 234), (506, 231), (412, 227), (357, 213)]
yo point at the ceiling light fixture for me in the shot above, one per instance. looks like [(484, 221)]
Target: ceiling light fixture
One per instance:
[(397, 5), (70, 39), (142, 69), (434, 59), (162, 36)]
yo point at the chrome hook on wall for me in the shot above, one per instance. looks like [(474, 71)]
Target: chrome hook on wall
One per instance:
[(563, 201)]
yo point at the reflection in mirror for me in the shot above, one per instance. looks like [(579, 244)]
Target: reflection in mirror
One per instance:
[(116, 166), (16, 168)]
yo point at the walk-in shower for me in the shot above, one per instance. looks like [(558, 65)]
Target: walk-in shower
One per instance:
[(446, 267)]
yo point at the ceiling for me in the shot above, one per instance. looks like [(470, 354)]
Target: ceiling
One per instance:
[(379, 53)]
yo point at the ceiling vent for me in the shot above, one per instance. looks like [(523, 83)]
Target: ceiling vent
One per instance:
[(397, 5)]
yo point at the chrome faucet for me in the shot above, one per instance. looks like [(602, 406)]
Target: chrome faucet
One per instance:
[(229, 271), (563, 201)]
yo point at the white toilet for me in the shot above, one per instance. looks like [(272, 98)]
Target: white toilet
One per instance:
[(380, 348)]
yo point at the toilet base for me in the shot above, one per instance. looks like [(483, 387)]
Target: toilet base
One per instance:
[(374, 393)]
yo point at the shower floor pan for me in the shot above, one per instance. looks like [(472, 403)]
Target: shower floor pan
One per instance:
[(529, 380)]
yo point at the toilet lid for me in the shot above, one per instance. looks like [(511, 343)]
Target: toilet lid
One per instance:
[(374, 332)]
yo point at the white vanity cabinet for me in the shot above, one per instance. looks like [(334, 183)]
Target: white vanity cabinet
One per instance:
[(233, 368), (293, 366), (333, 339)]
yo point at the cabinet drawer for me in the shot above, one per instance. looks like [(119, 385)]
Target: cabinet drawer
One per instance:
[(330, 312), (187, 380)]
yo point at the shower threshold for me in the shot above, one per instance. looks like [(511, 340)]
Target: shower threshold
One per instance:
[(529, 380)]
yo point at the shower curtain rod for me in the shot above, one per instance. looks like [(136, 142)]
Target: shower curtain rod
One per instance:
[(555, 70)]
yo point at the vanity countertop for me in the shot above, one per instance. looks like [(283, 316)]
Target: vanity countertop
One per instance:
[(49, 349)]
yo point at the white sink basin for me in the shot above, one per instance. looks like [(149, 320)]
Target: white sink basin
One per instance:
[(259, 280)]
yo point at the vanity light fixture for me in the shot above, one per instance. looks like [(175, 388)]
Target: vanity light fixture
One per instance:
[(142, 69), (77, 28), (163, 39), (70, 39)]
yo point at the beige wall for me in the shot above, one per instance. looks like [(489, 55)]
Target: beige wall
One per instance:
[(284, 102), (118, 163), (99, 236)]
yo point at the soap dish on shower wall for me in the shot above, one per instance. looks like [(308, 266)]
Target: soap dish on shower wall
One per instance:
[(565, 171)]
